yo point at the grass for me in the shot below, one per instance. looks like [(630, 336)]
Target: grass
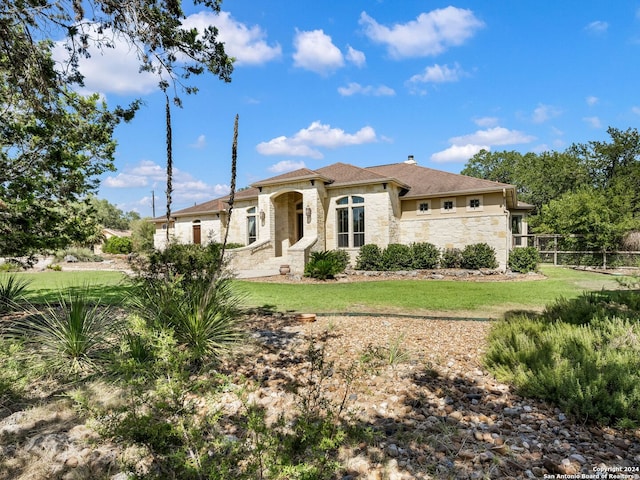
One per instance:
[(420, 297), (489, 299), (108, 287)]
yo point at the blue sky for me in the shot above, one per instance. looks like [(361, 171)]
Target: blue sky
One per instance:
[(371, 82)]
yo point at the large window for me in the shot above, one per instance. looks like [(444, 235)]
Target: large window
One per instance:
[(251, 225), (350, 218)]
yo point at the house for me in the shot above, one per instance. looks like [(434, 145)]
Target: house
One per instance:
[(282, 219)]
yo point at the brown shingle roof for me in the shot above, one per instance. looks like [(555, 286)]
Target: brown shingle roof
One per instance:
[(425, 181), (212, 206), (416, 180)]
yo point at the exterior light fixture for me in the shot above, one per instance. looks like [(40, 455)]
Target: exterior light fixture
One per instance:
[(308, 212), (262, 216)]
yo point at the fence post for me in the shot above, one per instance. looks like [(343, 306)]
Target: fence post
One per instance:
[(555, 251)]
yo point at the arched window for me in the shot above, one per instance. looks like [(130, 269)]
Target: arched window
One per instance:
[(252, 225), (350, 220)]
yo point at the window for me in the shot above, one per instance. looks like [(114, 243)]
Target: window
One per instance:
[(474, 203), (448, 205), (350, 220), (252, 227), (424, 207)]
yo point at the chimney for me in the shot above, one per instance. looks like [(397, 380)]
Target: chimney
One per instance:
[(410, 160)]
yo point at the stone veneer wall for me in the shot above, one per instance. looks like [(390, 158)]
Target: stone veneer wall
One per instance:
[(458, 232)]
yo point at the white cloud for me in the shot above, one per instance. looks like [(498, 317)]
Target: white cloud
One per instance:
[(246, 44), (486, 121), (356, 56), (597, 28), (305, 141), (110, 70), (200, 142), (458, 153), (493, 136), (594, 122), (438, 74), (635, 110), (542, 113), (316, 52), (286, 166), (354, 88), (591, 100), (430, 34), (466, 146), (186, 188)]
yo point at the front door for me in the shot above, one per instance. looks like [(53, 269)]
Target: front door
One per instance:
[(299, 225), (196, 234)]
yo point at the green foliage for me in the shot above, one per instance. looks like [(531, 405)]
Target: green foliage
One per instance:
[(523, 260), (142, 232), (203, 316), (12, 292), (477, 256), (73, 335), (109, 216), (591, 213), (579, 354), (118, 245), (192, 262), (369, 257), (451, 258), (396, 256), (327, 264), (425, 256)]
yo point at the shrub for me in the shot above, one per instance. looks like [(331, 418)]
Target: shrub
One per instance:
[(190, 261), (203, 316), (369, 257), (397, 257), (425, 255), (81, 255), (590, 370), (327, 264), (72, 335), (12, 291), (524, 259), (477, 256), (118, 245), (451, 258)]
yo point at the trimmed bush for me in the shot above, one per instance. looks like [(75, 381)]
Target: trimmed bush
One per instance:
[(425, 255), (369, 257), (524, 259), (477, 256), (451, 258), (397, 257), (118, 245), (327, 264)]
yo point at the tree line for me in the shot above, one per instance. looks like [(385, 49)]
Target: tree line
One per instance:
[(590, 189)]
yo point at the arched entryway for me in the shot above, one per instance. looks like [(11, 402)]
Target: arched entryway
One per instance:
[(289, 221)]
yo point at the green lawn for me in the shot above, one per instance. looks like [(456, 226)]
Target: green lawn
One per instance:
[(420, 297), (109, 287), (414, 297)]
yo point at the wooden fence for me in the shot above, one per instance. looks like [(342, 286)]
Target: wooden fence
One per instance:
[(558, 250)]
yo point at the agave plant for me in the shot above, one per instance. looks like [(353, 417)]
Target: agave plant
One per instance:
[(12, 292), (73, 335)]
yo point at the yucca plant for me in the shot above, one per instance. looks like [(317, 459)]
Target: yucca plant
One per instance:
[(72, 335), (12, 292), (203, 315)]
